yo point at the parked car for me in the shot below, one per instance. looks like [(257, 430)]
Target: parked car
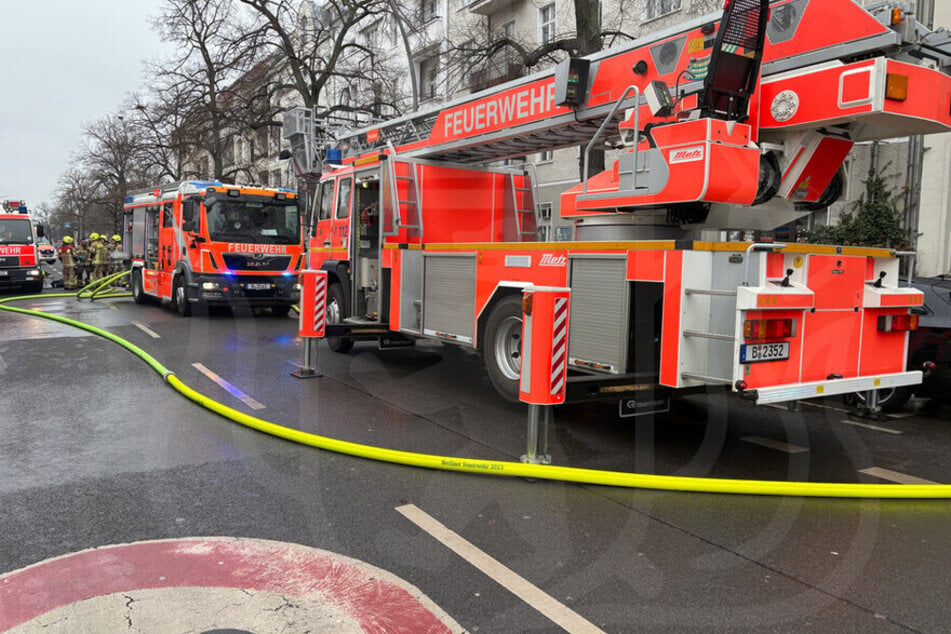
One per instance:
[(930, 343), (47, 252)]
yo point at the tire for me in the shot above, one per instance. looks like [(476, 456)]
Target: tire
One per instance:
[(890, 399), (281, 310), (180, 298), (36, 287), (770, 178), (503, 347), (138, 289), (336, 313), (832, 193)]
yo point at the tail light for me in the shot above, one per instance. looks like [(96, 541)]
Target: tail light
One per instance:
[(769, 328), (897, 323)]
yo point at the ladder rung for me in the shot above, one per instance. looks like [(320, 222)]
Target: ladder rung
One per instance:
[(706, 379), (405, 178), (708, 335), (408, 202)]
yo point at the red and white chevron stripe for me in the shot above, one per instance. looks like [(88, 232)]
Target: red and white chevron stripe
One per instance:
[(320, 303), (559, 346)]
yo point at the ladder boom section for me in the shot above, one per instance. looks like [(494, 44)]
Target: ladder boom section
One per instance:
[(749, 41)]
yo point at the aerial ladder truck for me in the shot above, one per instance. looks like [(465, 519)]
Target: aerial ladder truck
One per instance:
[(737, 121)]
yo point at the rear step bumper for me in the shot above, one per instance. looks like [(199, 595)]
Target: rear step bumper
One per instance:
[(831, 387)]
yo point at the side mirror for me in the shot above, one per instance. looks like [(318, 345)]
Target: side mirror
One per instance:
[(188, 211), (189, 226), (39, 231)]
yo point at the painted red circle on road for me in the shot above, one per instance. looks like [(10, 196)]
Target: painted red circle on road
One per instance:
[(375, 599)]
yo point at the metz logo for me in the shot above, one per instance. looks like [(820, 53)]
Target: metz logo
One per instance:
[(687, 155), (553, 260)]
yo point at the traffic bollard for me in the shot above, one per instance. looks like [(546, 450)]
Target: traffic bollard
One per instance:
[(312, 320), (544, 363)]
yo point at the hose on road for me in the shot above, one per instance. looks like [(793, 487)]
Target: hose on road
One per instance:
[(496, 467)]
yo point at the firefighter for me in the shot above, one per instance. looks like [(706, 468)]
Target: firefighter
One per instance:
[(115, 252), (100, 258), (69, 263), (81, 258)]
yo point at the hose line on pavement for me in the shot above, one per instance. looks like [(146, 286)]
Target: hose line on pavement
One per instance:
[(508, 468)]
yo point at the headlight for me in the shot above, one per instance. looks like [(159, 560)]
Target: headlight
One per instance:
[(297, 287), (210, 286)]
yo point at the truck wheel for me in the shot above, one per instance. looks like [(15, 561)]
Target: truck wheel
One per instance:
[(889, 399), (36, 287), (336, 312), (138, 290), (180, 298), (503, 347), (281, 310)]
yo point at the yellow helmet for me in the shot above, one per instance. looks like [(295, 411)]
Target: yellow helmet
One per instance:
[(67, 239), (116, 237), (93, 236)]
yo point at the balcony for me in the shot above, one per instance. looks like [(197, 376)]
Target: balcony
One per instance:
[(495, 75), (488, 7)]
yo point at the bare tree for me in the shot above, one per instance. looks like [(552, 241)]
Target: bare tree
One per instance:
[(215, 50), (114, 157), (319, 47)]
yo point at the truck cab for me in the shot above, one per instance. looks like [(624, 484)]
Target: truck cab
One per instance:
[(19, 259), (205, 243)]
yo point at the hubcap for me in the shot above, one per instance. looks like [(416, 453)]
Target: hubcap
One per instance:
[(333, 312), (508, 348)]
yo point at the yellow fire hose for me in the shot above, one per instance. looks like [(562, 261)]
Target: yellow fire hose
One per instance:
[(495, 467)]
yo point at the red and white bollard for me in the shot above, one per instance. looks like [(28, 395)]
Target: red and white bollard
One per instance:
[(544, 362), (313, 320)]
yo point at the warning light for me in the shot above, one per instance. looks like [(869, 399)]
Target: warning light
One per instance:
[(897, 323), (769, 328), (896, 16)]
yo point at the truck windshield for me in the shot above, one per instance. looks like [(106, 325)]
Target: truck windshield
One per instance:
[(255, 222), (16, 231)]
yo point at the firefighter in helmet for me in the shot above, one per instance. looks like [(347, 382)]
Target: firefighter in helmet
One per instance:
[(115, 251), (100, 257), (81, 257), (69, 263)]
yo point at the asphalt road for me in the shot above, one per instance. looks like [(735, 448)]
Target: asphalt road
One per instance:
[(95, 449)]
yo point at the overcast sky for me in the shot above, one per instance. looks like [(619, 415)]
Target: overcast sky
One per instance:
[(64, 63)]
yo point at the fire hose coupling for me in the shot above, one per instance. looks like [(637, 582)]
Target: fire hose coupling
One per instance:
[(928, 367)]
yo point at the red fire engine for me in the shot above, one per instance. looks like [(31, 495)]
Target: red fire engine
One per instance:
[(19, 260), (200, 243), (739, 121)]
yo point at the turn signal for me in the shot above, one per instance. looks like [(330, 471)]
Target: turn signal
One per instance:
[(769, 328), (896, 17), (897, 323)]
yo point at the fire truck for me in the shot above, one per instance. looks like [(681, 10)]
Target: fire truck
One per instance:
[(205, 243), (738, 121), (19, 258)]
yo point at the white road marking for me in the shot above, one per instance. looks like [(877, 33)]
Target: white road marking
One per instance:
[(834, 409), (774, 444), (238, 394), (867, 426), (894, 476), (559, 613), (901, 415), (146, 330)]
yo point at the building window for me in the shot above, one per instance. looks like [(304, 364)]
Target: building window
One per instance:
[(546, 23), (428, 72), (427, 10), (508, 30), (546, 157), (658, 8)]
